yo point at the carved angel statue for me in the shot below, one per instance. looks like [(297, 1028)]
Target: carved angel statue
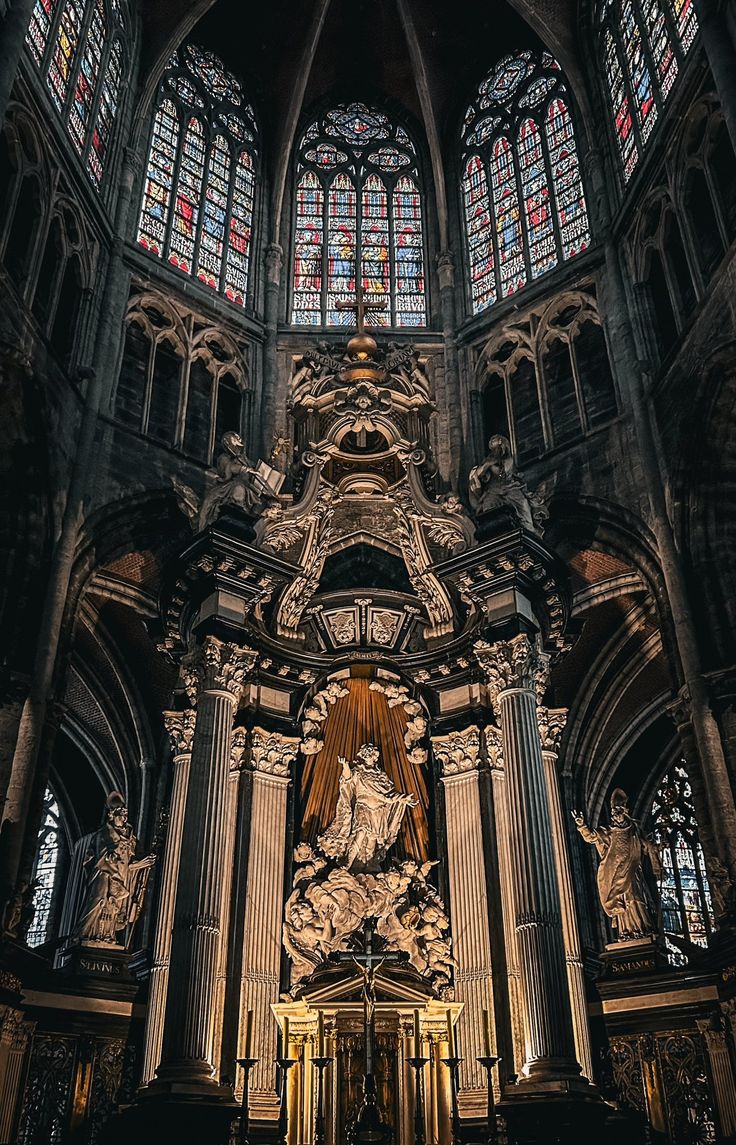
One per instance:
[(622, 879), (496, 484), (369, 813), (237, 482), (115, 881)]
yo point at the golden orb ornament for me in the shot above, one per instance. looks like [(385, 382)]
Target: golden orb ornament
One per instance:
[(362, 346)]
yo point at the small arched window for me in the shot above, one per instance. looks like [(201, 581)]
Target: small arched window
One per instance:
[(198, 198), (45, 873), (358, 188), (523, 198), (79, 46), (643, 44), (687, 909)]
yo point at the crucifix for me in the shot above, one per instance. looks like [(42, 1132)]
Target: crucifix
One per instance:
[(360, 306), (369, 962)]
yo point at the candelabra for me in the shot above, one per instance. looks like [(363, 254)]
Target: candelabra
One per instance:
[(489, 1063), (319, 1127), (453, 1064), (246, 1064), (284, 1065), (418, 1064)]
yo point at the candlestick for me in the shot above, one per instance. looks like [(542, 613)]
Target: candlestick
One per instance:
[(319, 1128), (246, 1064), (248, 1031), (417, 1035), (450, 1035), (418, 1063), (489, 1063), (284, 1065), (321, 1034), (453, 1064)]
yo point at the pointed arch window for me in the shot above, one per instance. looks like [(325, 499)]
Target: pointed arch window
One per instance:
[(45, 872), (80, 48), (643, 44), (522, 192), (199, 192), (687, 908), (358, 187)]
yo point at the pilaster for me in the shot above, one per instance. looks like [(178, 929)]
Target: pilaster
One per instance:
[(458, 755)]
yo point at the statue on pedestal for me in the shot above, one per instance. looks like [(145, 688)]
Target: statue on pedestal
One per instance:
[(341, 886), (237, 482), (622, 880), (115, 882), (496, 484), (368, 815)]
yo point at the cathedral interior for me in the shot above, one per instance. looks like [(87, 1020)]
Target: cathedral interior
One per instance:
[(367, 613)]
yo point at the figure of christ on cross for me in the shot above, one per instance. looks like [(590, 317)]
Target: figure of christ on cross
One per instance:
[(360, 306), (369, 962)]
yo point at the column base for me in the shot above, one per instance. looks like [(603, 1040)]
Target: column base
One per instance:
[(553, 1118), (155, 1119)]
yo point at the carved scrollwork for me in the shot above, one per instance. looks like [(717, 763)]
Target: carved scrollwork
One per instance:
[(512, 664), (272, 753), (459, 752)]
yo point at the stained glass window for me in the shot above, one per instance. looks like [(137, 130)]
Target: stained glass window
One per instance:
[(45, 870), (523, 197), (687, 908), (643, 44), (358, 189), (78, 45), (199, 192)]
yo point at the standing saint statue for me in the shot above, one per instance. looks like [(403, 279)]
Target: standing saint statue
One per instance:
[(622, 883), (115, 882), (368, 816)]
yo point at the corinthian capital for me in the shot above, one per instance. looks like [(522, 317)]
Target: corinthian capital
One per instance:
[(457, 753), (237, 748), (180, 726), (512, 664), (216, 666), (272, 753), (551, 726), (494, 747)]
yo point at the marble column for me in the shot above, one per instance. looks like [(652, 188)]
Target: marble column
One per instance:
[(458, 755), (15, 1038), (12, 38), (514, 671), (713, 1033), (551, 726), (446, 275), (180, 726), (494, 751), (188, 1052), (271, 759)]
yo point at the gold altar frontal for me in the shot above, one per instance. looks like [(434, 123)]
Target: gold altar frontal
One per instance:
[(328, 1021)]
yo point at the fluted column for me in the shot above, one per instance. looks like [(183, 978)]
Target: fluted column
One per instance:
[(272, 756), (180, 726), (187, 1060), (458, 755), (551, 726), (514, 670), (494, 750)]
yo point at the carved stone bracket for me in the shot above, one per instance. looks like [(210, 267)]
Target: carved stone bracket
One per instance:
[(510, 665), (459, 752), (273, 753)]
